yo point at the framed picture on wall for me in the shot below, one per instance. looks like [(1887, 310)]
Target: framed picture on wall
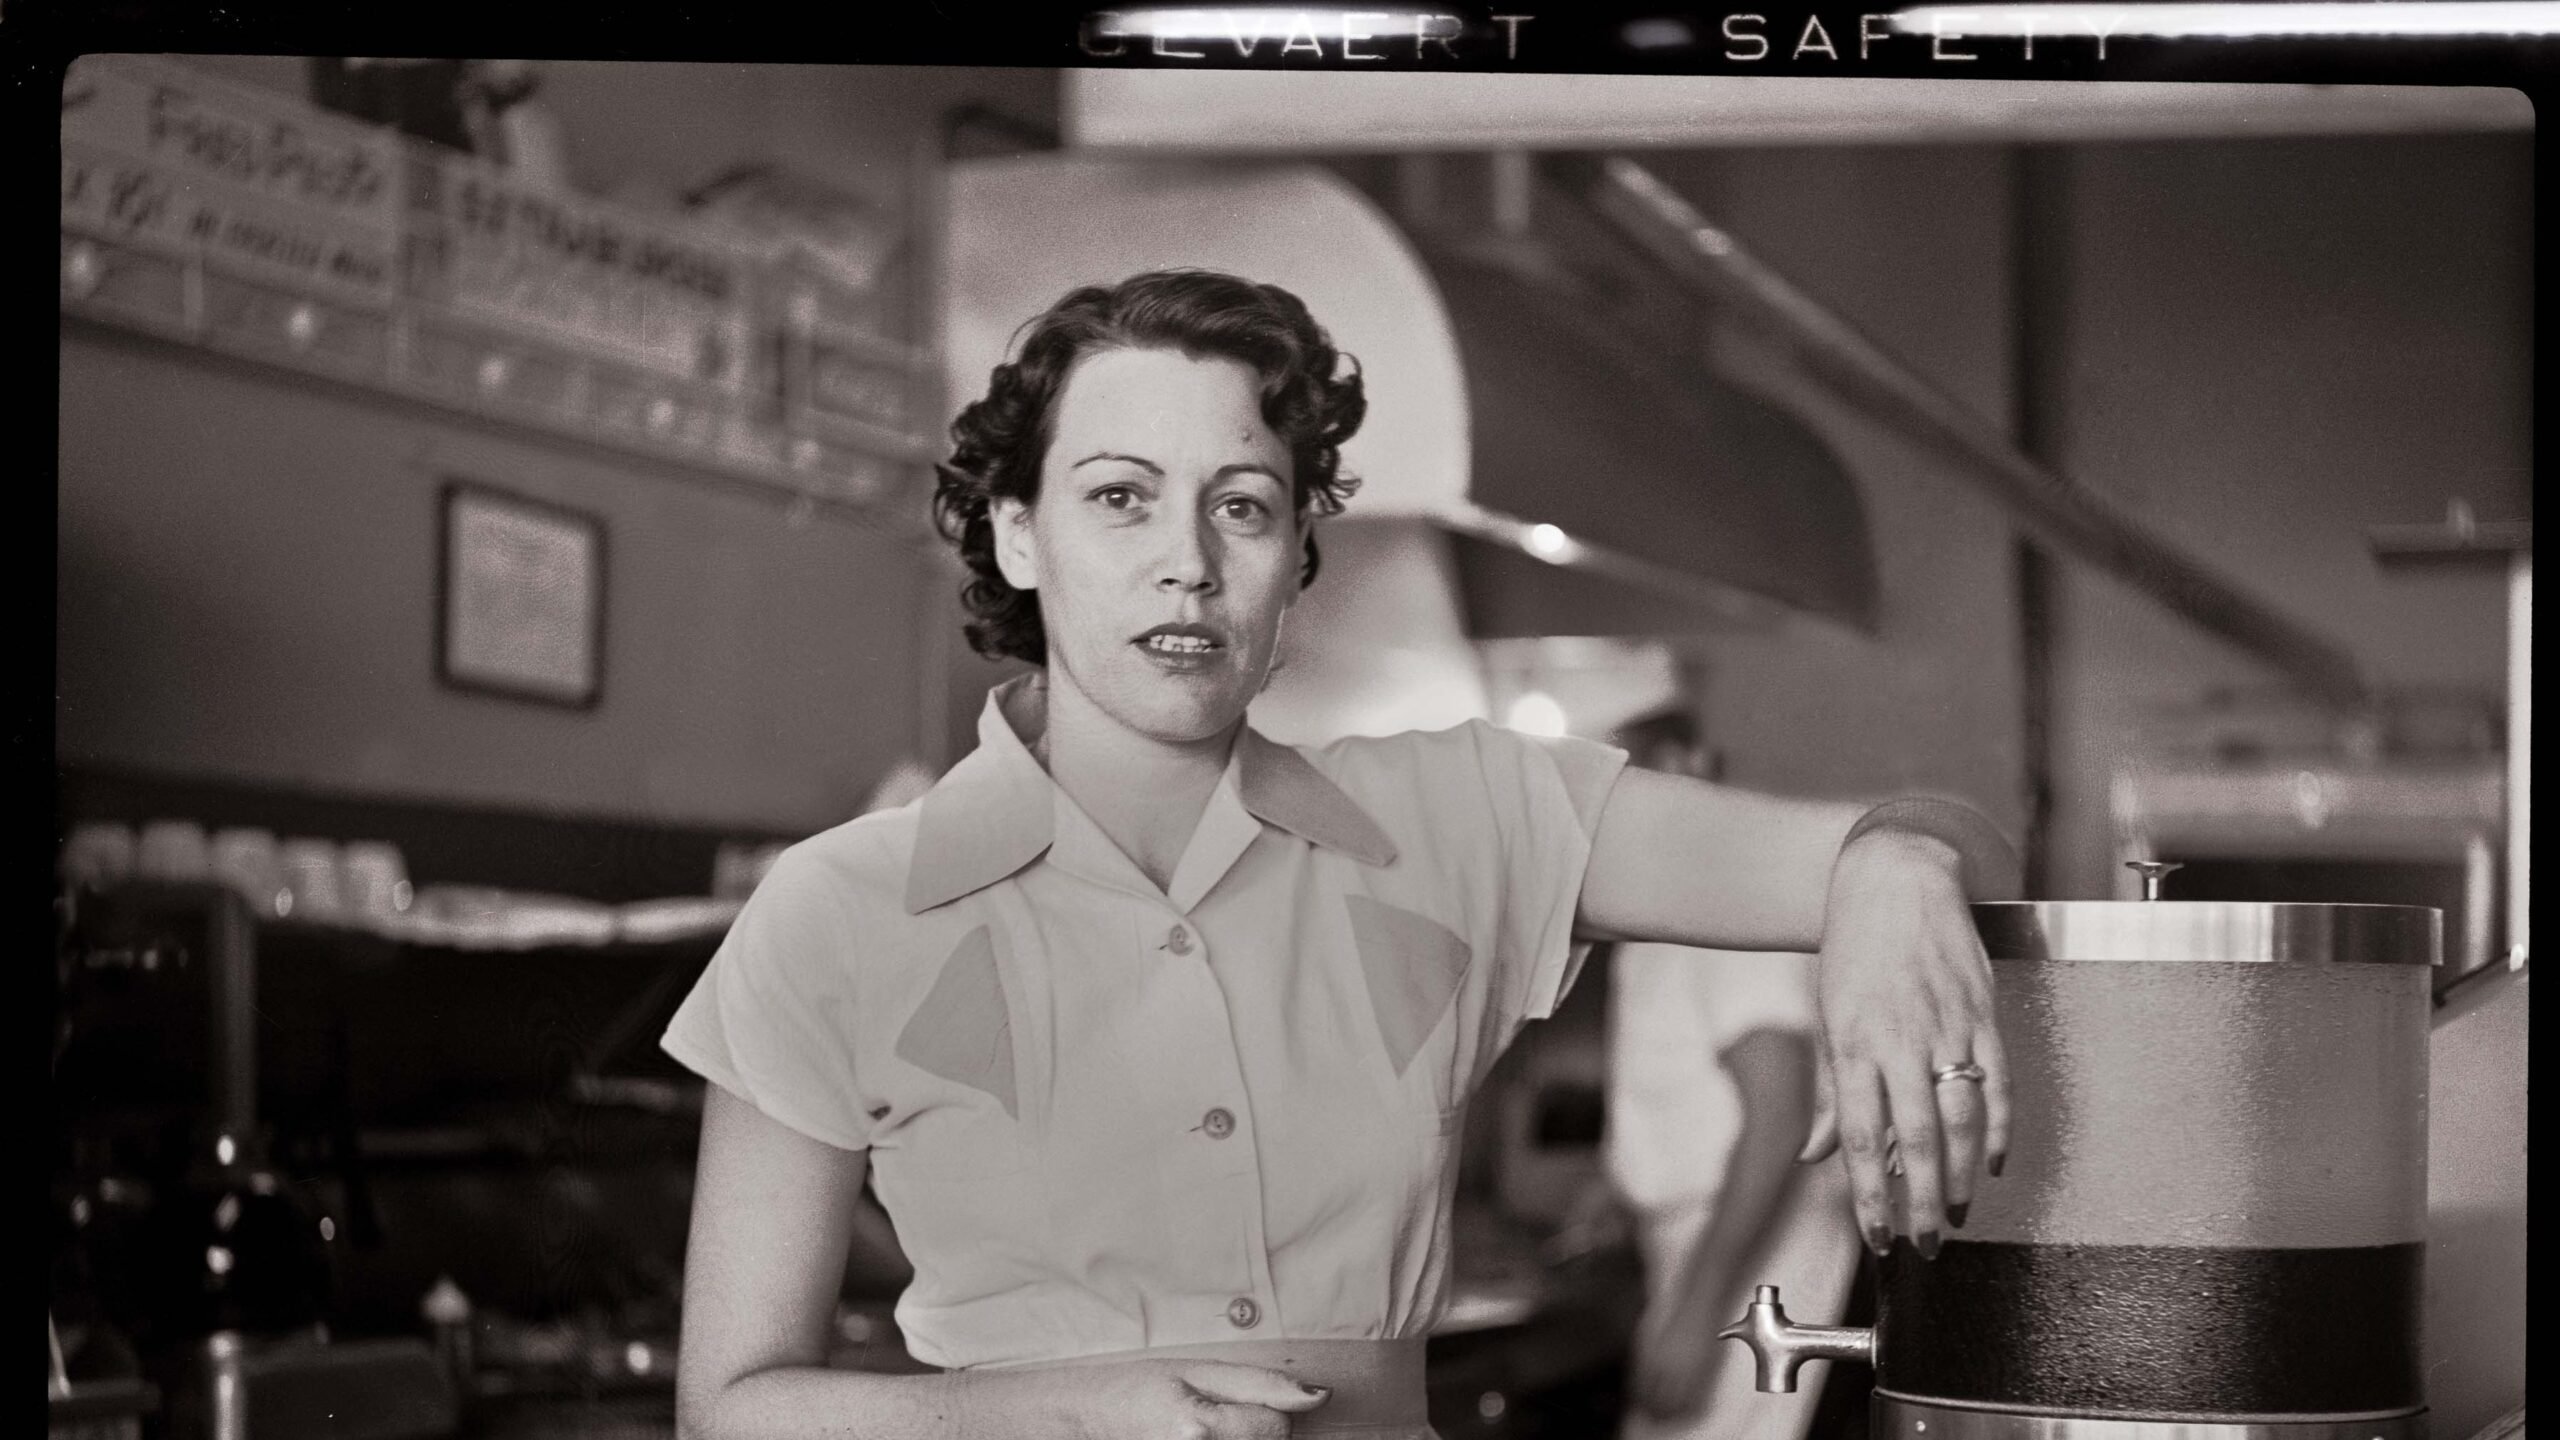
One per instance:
[(521, 605)]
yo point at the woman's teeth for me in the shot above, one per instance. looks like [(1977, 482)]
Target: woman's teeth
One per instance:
[(1180, 644)]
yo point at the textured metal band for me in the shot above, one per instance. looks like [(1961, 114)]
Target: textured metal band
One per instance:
[(2232, 931), (1901, 1417), (2154, 1330)]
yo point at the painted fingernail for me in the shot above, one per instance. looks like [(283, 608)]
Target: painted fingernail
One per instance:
[(1880, 1240), (1956, 1213), (1927, 1244), (1996, 1162), (1318, 1391)]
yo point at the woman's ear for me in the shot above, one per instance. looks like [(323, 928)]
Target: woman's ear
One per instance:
[(1016, 557)]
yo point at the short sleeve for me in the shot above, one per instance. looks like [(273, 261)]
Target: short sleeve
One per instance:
[(1547, 795), (770, 1021)]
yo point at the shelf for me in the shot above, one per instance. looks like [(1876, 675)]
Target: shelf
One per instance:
[(355, 253), (338, 1022)]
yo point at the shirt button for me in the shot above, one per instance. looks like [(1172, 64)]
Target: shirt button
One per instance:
[(1219, 1123), (1178, 940), (1242, 1313)]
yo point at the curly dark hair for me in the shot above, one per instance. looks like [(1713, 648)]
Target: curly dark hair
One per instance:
[(999, 441)]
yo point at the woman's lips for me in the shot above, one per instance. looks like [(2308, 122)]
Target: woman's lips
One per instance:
[(1187, 647)]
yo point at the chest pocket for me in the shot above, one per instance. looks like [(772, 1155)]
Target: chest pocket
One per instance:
[(1415, 967), (970, 1125)]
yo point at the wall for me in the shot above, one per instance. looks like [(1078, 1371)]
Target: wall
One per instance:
[(247, 562), (1931, 702), (2272, 346), (2267, 346), (248, 590)]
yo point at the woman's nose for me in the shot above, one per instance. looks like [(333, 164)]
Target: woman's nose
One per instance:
[(1190, 563)]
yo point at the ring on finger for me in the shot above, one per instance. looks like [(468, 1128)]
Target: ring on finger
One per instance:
[(1965, 1070)]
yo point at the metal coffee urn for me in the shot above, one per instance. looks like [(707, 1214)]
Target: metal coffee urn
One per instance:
[(2213, 1213)]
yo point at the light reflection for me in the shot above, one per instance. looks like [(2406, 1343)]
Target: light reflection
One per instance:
[(1659, 33), (2235, 21), (1536, 713)]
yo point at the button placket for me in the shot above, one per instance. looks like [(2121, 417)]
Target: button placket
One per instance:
[(1225, 1117), (1225, 1147)]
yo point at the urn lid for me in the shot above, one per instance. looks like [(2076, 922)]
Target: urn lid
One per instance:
[(2211, 930)]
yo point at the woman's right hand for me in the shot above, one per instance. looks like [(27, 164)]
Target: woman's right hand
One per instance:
[(1191, 1400)]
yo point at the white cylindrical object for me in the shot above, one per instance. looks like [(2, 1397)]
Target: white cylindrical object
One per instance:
[(374, 879), (174, 850), (227, 1387), (244, 858), (99, 854), (312, 878)]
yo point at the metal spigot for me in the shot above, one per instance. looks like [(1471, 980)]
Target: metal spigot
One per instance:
[(1779, 1346), (2152, 873)]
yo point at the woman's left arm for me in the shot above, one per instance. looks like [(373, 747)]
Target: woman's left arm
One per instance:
[(1687, 862), (1902, 984)]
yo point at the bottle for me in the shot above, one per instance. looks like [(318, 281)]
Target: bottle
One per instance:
[(226, 1386), (447, 1312)]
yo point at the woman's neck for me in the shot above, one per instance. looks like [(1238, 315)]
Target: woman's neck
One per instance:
[(1146, 794)]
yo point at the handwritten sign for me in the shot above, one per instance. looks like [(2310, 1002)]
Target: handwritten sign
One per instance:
[(263, 225), (159, 156), (644, 290)]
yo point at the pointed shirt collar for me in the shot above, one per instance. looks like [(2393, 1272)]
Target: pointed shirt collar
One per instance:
[(995, 812)]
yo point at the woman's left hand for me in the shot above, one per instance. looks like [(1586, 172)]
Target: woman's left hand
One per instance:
[(1905, 992)]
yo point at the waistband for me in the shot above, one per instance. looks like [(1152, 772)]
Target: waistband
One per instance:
[(1377, 1384)]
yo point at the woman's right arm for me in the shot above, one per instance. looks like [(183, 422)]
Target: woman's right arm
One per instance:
[(772, 1219)]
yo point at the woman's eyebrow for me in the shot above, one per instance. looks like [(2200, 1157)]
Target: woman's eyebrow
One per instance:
[(1250, 467), (1149, 466)]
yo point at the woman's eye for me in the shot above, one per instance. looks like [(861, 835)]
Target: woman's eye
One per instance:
[(1243, 507), (1115, 497)]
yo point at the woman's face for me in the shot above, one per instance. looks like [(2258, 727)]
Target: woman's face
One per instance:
[(1164, 546)]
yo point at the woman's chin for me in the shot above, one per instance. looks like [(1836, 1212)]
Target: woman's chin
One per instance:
[(1182, 703), (1183, 707), (1173, 722)]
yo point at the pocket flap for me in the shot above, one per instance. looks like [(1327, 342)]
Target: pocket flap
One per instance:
[(1413, 964), (962, 1032)]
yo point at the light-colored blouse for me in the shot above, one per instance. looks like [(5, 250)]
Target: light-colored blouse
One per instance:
[(1107, 1116)]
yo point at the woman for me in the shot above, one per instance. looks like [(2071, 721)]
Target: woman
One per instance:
[(1157, 1032)]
